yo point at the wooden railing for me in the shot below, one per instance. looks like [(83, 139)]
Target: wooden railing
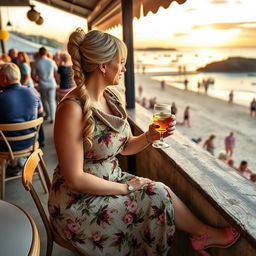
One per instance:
[(216, 193)]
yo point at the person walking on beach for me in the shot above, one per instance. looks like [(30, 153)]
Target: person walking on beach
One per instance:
[(140, 89), (253, 108), (186, 116), (186, 84), (174, 109), (209, 144), (198, 87), (231, 97), (162, 84), (229, 144)]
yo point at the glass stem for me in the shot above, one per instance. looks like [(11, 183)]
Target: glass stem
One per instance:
[(161, 137)]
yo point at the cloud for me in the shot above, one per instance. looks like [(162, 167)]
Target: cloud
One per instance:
[(227, 26), (219, 2), (190, 10), (180, 34)]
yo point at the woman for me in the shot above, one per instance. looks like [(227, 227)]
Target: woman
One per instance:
[(65, 78), (25, 70), (93, 203), (209, 144)]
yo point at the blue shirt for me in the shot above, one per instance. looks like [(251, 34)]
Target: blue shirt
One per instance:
[(25, 70), (18, 104)]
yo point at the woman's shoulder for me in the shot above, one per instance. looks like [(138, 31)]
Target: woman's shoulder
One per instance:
[(72, 96)]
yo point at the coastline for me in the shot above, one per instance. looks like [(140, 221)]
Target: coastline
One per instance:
[(208, 115)]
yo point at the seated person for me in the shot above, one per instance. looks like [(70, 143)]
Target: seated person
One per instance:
[(253, 177), (244, 170), (18, 104)]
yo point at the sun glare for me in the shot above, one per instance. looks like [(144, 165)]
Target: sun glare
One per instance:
[(212, 37)]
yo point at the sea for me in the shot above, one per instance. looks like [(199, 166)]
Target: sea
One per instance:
[(169, 65)]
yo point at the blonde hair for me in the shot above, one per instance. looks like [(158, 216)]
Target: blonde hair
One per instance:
[(11, 71), (25, 58), (87, 51), (64, 56)]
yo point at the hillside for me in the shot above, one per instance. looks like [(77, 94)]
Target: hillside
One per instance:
[(232, 64)]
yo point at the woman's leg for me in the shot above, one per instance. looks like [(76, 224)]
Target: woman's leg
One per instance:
[(186, 221)]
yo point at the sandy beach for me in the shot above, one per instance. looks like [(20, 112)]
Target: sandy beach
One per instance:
[(207, 116)]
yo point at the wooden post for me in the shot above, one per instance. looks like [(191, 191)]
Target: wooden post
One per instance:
[(127, 18), (89, 26)]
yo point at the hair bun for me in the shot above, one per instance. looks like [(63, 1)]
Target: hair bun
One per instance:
[(76, 39)]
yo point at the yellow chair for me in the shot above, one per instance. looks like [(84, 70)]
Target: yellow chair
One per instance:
[(5, 157), (34, 162)]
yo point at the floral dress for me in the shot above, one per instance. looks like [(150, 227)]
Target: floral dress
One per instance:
[(140, 223)]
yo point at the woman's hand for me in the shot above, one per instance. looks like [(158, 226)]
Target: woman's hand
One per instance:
[(138, 182), (152, 134)]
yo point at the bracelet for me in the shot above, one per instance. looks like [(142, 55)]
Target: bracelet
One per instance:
[(149, 142)]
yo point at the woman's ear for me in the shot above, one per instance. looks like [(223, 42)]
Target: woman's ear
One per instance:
[(102, 68)]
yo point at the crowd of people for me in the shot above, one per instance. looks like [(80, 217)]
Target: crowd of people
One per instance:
[(226, 155), (209, 143), (28, 89)]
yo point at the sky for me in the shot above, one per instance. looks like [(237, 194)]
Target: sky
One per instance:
[(200, 23)]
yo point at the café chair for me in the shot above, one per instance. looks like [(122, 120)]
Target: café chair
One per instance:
[(35, 161), (6, 157)]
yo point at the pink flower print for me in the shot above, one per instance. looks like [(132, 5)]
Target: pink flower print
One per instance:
[(96, 237), (90, 155), (102, 216), (132, 207), (123, 140), (105, 139), (161, 218), (114, 164), (150, 189), (73, 226), (88, 170), (170, 231), (128, 218), (68, 234)]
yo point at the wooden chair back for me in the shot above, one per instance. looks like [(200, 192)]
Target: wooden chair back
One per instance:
[(19, 127), (10, 154), (34, 161)]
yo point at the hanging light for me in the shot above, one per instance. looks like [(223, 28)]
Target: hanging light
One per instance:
[(40, 20), (4, 35), (32, 14), (8, 24)]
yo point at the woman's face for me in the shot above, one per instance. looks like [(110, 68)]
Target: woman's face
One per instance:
[(114, 70), (20, 58)]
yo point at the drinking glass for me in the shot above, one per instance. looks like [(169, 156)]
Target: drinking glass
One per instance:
[(161, 117)]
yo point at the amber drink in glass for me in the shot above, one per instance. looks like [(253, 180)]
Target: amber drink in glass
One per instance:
[(162, 118)]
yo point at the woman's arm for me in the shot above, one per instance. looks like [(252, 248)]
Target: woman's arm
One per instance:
[(69, 146), (136, 144), (26, 78)]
